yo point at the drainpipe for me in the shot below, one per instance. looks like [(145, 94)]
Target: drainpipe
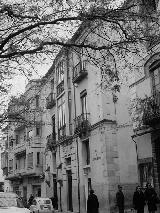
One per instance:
[(79, 202), (136, 154)]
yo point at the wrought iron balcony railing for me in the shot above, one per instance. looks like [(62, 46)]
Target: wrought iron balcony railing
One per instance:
[(82, 124), (50, 100), (61, 132), (151, 110), (79, 72)]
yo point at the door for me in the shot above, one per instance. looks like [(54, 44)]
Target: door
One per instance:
[(157, 152), (37, 191), (55, 192), (25, 192), (70, 205)]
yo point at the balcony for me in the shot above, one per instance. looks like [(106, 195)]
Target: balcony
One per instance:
[(151, 110), (50, 101), (19, 126), (61, 132), (82, 125), (18, 174), (79, 72), (60, 88), (51, 142)]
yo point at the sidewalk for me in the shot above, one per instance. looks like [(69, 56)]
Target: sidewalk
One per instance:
[(126, 210)]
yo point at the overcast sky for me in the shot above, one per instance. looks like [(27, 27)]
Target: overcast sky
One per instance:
[(19, 82)]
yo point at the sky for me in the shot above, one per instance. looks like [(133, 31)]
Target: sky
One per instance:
[(19, 82)]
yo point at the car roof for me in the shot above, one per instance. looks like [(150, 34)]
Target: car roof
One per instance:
[(8, 195)]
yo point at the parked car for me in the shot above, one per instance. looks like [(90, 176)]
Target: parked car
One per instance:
[(11, 203), (41, 205)]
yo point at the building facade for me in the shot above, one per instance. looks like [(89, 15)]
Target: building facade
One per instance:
[(72, 134)]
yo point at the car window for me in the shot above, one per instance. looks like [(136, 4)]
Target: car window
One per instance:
[(47, 202), (44, 201)]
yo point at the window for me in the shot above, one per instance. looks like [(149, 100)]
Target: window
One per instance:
[(17, 139), (11, 165), (30, 160), (37, 100), (68, 161), (146, 173), (38, 158), (37, 131), (83, 97), (60, 72), (11, 141), (52, 85), (53, 127), (86, 152), (61, 117)]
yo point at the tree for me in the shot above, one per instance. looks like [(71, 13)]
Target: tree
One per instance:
[(33, 31)]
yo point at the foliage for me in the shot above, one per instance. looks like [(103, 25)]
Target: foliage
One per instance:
[(32, 31)]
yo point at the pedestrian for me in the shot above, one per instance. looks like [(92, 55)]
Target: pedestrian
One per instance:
[(92, 203), (54, 202), (138, 200), (30, 200), (120, 199), (151, 198)]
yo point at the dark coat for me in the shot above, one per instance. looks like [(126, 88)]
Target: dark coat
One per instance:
[(138, 200), (151, 198), (120, 199), (30, 200), (92, 204)]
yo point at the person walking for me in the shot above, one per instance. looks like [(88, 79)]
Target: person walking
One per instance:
[(151, 198), (120, 199), (30, 200), (138, 200), (92, 203)]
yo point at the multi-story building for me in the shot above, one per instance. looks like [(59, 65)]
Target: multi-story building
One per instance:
[(24, 147), (89, 140), (74, 133)]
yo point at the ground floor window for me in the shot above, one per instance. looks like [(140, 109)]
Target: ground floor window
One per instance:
[(146, 173)]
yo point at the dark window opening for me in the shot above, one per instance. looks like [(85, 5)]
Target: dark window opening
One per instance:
[(38, 158), (146, 173), (17, 139), (68, 161), (83, 97), (86, 152), (37, 131), (37, 100)]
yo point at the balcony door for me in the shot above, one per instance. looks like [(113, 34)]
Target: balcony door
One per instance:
[(69, 180), (84, 107)]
